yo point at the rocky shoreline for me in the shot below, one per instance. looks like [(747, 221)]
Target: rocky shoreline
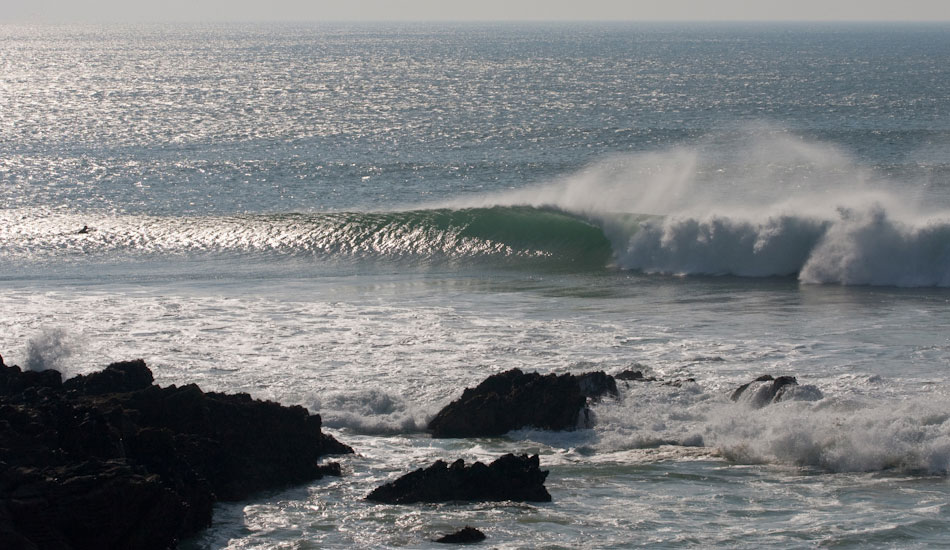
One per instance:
[(111, 460)]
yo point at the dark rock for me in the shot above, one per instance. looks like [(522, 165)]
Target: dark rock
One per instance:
[(629, 375), (13, 381), (513, 399), (91, 505), (510, 477), (766, 389), (597, 384), (331, 469), (467, 535), (109, 460), (119, 377)]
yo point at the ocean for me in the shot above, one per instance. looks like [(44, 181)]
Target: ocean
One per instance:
[(365, 219)]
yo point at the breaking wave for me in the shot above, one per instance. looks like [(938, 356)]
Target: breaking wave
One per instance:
[(859, 247), (769, 205), (772, 207)]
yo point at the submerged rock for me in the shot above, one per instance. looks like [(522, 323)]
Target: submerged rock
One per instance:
[(109, 460), (510, 477), (467, 535), (631, 375), (766, 389), (513, 400)]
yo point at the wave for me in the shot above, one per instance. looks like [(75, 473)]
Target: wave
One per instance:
[(839, 430), (856, 246), (774, 206)]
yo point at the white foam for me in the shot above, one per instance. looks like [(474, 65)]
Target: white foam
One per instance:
[(369, 411), (840, 436), (871, 247), (846, 432)]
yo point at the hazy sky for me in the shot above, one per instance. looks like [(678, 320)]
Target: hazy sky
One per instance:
[(478, 10)]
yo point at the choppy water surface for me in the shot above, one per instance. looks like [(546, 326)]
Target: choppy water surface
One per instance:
[(366, 219)]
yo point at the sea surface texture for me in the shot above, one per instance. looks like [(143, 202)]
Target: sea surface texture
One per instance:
[(365, 219)]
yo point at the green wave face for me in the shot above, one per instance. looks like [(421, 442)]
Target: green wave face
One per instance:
[(506, 234), (478, 236)]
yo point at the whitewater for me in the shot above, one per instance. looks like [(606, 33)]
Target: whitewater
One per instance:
[(366, 219)]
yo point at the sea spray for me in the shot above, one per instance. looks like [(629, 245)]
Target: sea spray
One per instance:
[(369, 411), (49, 350)]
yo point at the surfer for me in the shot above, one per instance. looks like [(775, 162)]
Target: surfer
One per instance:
[(85, 229)]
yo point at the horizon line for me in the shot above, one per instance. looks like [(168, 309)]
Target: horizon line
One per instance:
[(106, 21)]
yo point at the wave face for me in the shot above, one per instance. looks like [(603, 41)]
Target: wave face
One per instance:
[(501, 233)]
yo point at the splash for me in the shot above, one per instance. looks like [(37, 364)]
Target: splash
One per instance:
[(49, 350), (369, 411)]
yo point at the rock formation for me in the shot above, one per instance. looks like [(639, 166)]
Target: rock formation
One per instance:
[(509, 477), (466, 535), (767, 389), (513, 400), (109, 460)]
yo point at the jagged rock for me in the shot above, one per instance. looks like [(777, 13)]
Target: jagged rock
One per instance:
[(109, 460), (766, 389), (91, 505), (13, 381), (510, 477), (513, 399), (124, 376), (467, 535)]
